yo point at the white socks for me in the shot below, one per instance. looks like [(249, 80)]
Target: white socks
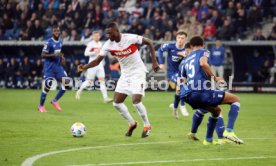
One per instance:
[(121, 107), (103, 89), (85, 84), (142, 112)]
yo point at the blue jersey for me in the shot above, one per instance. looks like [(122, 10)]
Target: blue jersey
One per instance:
[(52, 46), (217, 56), (52, 65), (193, 72), (173, 59)]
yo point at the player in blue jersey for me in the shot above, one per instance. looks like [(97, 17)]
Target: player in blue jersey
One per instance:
[(176, 53), (220, 124), (217, 58), (53, 70), (197, 72)]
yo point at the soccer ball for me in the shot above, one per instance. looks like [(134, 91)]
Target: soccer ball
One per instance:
[(78, 129)]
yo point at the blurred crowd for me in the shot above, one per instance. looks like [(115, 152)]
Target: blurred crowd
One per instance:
[(156, 19)]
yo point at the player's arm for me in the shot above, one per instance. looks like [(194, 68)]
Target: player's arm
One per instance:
[(203, 62), (93, 63), (46, 49), (47, 55), (160, 51), (148, 42)]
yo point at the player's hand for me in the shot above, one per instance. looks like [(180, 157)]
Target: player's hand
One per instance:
[(155, 67), (59, 54), (219, 79), (81, 68), (161, 66)]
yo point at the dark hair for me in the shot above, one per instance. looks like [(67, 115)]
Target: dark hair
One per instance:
[(55, 26), (187, 45), (181, 33), (112, 25), (197, 41)]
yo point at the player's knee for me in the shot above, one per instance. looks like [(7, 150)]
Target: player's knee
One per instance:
[(136, 101)]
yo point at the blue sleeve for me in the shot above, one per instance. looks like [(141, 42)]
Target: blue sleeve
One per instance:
[(162, 49), (182, 71), (47, 47)]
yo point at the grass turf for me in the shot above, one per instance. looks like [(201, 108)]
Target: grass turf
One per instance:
[(25, 132)]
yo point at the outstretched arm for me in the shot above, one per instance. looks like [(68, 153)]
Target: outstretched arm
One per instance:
[(148, 42), (93, 63)]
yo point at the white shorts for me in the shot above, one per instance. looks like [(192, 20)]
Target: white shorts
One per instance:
[(135, 84), (95, 71)]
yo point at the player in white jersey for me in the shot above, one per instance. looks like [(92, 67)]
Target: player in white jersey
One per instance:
[(133, 77), (92, 50)]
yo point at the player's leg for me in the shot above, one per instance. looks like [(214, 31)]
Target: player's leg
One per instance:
[(272, 75), (183, 108), (196, 121), (234, 102), (64, 84), (137, 103), (101, 77), (121, 92), (220, 71), (211, 124), (90, 76), (173, 107), (46, 86)]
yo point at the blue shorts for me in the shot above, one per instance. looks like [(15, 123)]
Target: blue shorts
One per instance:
[(204, 98), (55, 71), (173, 77)]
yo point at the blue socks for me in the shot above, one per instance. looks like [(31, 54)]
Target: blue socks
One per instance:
[(182, 103), (176, 100), (220, 127), (232, 116), (212, 122), (42, 98), (197, 119), (59, 94)]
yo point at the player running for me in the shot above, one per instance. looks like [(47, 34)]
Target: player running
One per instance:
[(133, 77), (176, 52), (92, 50), (197, 71), (53, 69)]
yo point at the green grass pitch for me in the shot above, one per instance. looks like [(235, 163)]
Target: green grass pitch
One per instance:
[(25, 132)]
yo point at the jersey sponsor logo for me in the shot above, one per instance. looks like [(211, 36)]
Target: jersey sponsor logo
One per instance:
[(176, 58), (125, 52)]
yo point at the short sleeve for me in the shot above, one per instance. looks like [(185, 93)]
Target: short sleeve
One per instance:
[(206, 53), (135, 39), (104, 49), (164, 47), (47, 47)]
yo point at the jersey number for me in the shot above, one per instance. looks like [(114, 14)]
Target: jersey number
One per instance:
[(190, 68)]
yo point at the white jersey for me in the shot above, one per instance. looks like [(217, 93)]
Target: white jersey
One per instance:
[(126, 51), (92, 49)]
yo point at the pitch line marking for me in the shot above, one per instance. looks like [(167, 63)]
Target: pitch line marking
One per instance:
[(30, 161), (180, 161)]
